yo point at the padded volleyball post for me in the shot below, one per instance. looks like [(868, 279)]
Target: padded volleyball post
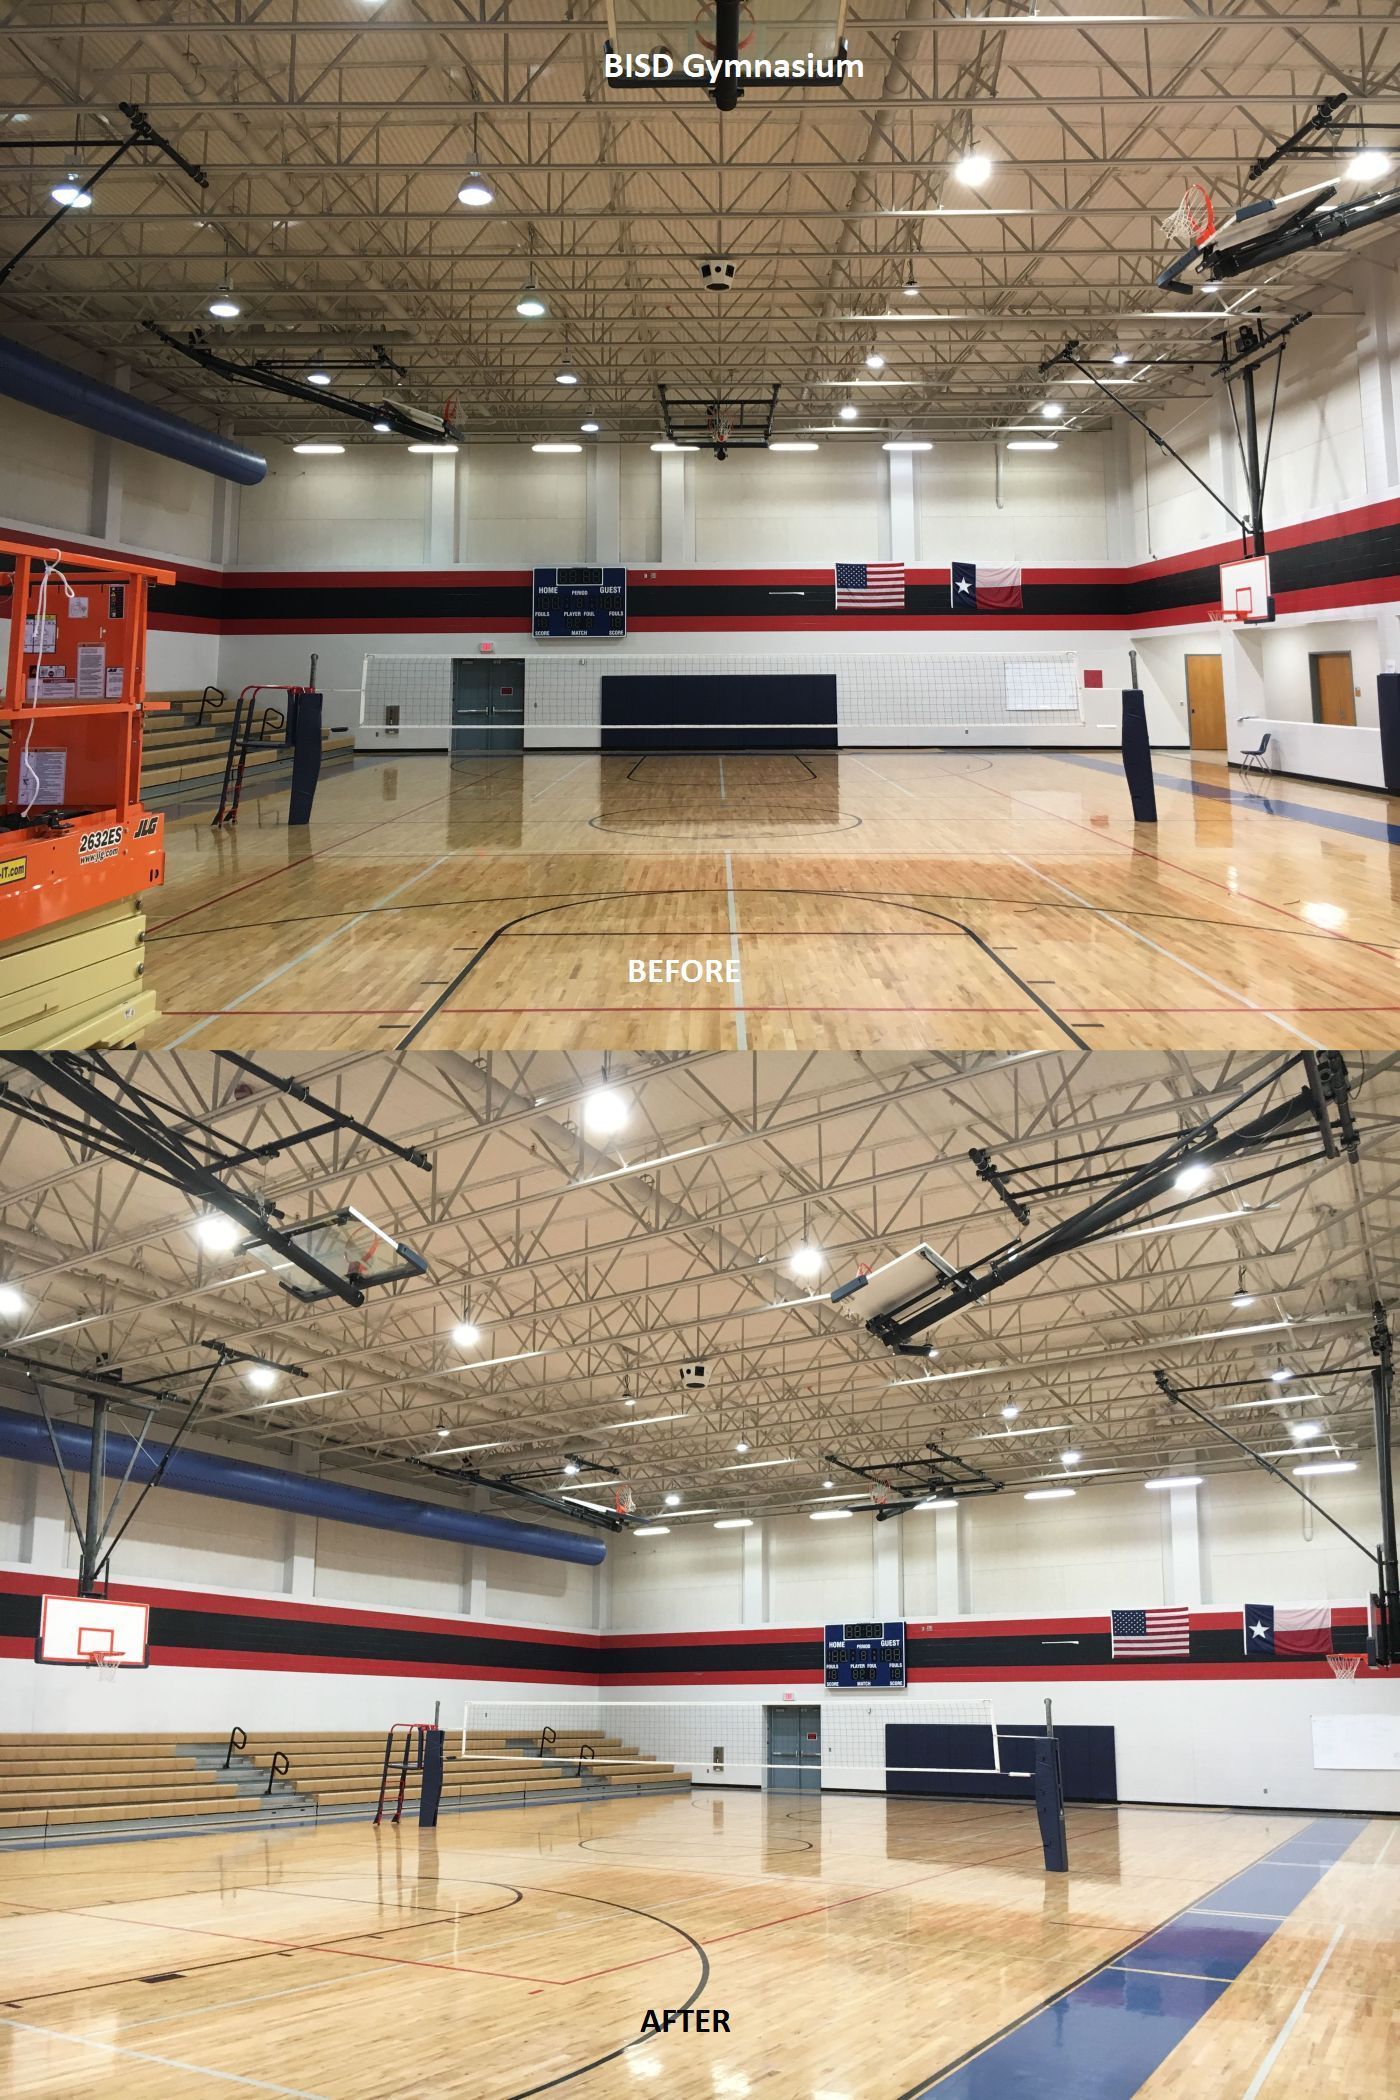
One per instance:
[(304, 735), (1137, 756), (1388, 712), (1050, 1804), (430, 1790)]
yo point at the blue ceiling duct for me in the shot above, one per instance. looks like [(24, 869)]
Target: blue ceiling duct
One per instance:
[(235, 1480), (41, 383)]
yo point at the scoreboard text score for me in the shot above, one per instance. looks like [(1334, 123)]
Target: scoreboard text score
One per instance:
[(580, 604), (865, 1655)]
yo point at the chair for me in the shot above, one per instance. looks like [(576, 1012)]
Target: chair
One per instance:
[(1257, 761)]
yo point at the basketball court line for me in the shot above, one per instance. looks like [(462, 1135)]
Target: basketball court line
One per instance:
[(380, 904), (740, 1028), (1157, 948), (1261, 804), (166, 2063), (1256, 2084), (1086, 2059)]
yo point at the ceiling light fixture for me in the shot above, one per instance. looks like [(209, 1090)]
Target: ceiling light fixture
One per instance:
[(466, 1334), (217, 1233), (828, 1483), (734, 1524), (1367, 166), (742, 1445), (262, 1377), (652, 1531), (566, 379), (571, 1468), (807, 1261), (1032, 445), (383, 428), (874, 362), (665, 445), (551, 446), (907, 445), (1070, 1458), (911, 289), (425, 447), (973, 169), (313, 448), (673, 1500), (71, 194), (475, 191), (1121, 357), (1010, 1411), (1281, 1376), (1048, 1494), (530, 306), (605, 1111), (591, 428), (1331, 1465), (827, 1516), (318, 378), (1175, 1480), (1303, 1432), (1052, 411), (223, 306), (13, 1304), (443, 1430), (794, 445), (848, 412)]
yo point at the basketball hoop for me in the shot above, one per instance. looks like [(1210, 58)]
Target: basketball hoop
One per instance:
[(624, 1501), (1193, 221), (1344, 1667), (705, 13), (106, 1667)]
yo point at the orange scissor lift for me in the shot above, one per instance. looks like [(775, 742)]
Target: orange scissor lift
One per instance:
[(78, 850)]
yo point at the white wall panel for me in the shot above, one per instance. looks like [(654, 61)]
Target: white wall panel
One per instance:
[(782, 510), (1102, 1549), (818, 1572), (1052, 509), (687, 1583), (368, 509), (522, 510)]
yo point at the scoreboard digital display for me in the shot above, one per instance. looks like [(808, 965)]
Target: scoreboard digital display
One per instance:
[(865, 1656), (580, 604)]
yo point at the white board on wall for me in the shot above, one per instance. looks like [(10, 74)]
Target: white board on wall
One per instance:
[(1356, 1742), (1046, 682)]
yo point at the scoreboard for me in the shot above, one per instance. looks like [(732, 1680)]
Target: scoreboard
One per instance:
[(865, 1655), (580, 604)]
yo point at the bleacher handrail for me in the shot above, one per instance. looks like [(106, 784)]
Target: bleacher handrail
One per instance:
[(236, 1741), (281, 1764)]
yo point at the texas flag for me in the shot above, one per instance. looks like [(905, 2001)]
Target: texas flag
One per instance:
[(1287, 1629), (983, 587)]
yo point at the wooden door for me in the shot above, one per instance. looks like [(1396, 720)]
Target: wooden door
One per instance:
[(1333, 688), (1205, 700)]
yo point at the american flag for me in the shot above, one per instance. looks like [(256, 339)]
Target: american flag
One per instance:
[(862, 586), (1163, 1631)]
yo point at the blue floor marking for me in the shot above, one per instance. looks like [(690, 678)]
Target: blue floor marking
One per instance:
[(1106, 2036), (1269, 805)]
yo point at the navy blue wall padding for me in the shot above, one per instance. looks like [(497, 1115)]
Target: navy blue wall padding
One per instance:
[(768, 713), (42, 383), (1137, 757), (235, 1480), (1088, 1759), (304, 736), (1388, 704)]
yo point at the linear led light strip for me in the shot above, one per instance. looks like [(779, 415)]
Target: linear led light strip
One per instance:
[(1178, 1341)]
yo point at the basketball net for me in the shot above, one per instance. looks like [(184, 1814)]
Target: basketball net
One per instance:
[(624, 1501), (1344, 1667), (718, 421), (107, 1667), (1193, 221)]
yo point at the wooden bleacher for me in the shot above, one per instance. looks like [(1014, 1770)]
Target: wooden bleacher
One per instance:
[(53, 1781), (191, 742)]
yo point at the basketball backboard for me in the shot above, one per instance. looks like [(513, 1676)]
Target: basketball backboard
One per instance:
[(89, 1630), (1244, 590)]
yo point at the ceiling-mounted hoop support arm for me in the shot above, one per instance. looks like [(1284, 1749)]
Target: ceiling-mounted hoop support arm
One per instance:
[(337, 1119), (1387, 1555), (413, 423), (938, 1301), (1178, 1399), (143, 133), (1323, 118), (498, 1484)]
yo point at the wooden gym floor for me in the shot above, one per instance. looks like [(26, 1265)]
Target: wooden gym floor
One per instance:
[(864, 1950), (879, 898)]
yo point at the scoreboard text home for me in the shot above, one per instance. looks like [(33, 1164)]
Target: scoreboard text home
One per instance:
[(580, 604), (865, 1656)]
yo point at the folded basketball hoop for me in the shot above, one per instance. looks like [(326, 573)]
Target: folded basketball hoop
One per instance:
[(1344, 1667)]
